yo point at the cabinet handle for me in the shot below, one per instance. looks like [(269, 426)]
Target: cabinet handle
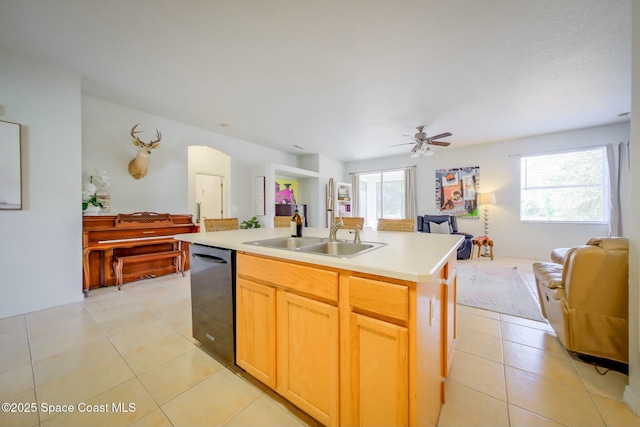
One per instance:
[(432, 311), (209, 258)]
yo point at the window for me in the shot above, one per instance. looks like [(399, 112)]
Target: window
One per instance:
[(565, 186), (381, 195)]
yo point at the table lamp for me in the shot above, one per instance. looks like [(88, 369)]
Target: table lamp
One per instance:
[(486, 199)]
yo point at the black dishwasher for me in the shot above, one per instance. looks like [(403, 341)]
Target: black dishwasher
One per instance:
[(213, 274)]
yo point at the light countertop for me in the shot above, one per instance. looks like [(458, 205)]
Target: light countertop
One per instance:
[(407, 256)]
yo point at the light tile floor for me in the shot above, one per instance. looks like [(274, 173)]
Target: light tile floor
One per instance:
[(132, 351), (510, 371)]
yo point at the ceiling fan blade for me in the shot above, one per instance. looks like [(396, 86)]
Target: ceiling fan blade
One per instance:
[(442, 135), (441, 143), (404, 143), (415, 148)]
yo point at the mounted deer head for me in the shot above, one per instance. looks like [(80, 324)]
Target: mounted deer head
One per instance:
[(138, 167)]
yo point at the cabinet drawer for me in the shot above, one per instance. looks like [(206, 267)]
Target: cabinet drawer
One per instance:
[(383, 298), (305, 280)]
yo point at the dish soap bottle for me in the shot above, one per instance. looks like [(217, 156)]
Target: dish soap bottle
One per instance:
[(296, 225)]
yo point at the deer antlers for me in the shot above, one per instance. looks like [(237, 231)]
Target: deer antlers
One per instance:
[(138, 167), (140, 143)]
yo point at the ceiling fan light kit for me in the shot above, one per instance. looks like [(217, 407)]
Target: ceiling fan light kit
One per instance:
[(422, 142), (421, 152)]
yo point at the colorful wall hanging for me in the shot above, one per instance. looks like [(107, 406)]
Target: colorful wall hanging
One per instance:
[(456, 191), (286, 191)]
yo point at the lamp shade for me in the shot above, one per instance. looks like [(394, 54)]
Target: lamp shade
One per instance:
[(421, 152), (487, 198)]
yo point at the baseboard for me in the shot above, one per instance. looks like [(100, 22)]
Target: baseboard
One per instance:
[(630, 397)]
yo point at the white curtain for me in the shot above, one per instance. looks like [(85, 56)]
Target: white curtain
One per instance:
[(355, 196), (619, 185), (410, 210)]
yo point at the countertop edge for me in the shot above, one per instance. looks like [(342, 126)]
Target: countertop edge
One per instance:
[(404, 262)]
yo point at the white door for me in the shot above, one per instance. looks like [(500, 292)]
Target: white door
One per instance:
[(209, 193)]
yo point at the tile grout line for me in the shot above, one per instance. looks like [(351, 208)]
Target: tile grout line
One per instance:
[(538, 375), (126, 362), (137, 376), (504, 373), (33, 367), (589, 392)]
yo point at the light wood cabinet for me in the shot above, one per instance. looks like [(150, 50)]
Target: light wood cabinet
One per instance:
[(347, 348), (287, 332), (378, 298), (308, 355), (394, 354), (379, 372), (256, 330)]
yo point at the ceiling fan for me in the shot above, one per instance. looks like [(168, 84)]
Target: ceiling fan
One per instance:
[(422, 142)]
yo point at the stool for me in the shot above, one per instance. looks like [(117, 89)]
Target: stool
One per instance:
[(480, 242), (180, 257)]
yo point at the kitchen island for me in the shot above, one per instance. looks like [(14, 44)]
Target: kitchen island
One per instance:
[(351, 341)]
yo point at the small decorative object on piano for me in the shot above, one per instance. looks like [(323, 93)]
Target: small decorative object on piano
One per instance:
[(100, 179), (94, 193), (89, 196), (102, 183)]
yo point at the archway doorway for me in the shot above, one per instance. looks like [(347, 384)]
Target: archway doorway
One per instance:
[(209, 181)]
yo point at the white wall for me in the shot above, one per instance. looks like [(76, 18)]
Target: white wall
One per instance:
[(41, 254), (65, 136), (10, 186), (500, 172), (328, 167), (106, 145), (632, 392)]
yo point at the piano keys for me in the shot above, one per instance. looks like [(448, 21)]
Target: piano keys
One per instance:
[(105, 237)]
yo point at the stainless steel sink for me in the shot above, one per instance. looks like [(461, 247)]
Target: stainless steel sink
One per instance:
[(286, 242), (341, 249), (319, 246)]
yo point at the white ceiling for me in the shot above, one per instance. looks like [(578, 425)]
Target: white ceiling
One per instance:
[(345, 78)]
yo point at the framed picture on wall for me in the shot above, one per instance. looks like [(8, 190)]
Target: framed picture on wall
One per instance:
[(456, 191), (286, 191), (10, 166), (260, 204)]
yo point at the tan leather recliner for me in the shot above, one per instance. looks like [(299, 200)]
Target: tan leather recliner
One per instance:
[(586, 299)]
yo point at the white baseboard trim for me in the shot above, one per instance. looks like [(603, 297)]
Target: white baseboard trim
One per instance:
[(630, 397)]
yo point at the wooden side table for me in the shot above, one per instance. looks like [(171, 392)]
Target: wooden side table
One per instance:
[(480, 242)]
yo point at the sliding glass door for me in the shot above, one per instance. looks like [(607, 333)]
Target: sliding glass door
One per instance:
[(381, 195)]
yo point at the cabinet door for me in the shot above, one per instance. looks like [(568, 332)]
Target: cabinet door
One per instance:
[(256, 330), (379, 372), (308, 355)]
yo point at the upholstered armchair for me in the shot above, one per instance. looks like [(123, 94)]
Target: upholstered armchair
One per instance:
[(464, 250), (586, 298)]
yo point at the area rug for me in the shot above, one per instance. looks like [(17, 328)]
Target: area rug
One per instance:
[(497, 289)]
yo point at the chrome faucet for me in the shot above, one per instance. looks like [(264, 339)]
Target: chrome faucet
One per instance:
[(337, 225), (330, 201)]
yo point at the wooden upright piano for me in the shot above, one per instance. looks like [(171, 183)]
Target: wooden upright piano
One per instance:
[(106, 237)]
